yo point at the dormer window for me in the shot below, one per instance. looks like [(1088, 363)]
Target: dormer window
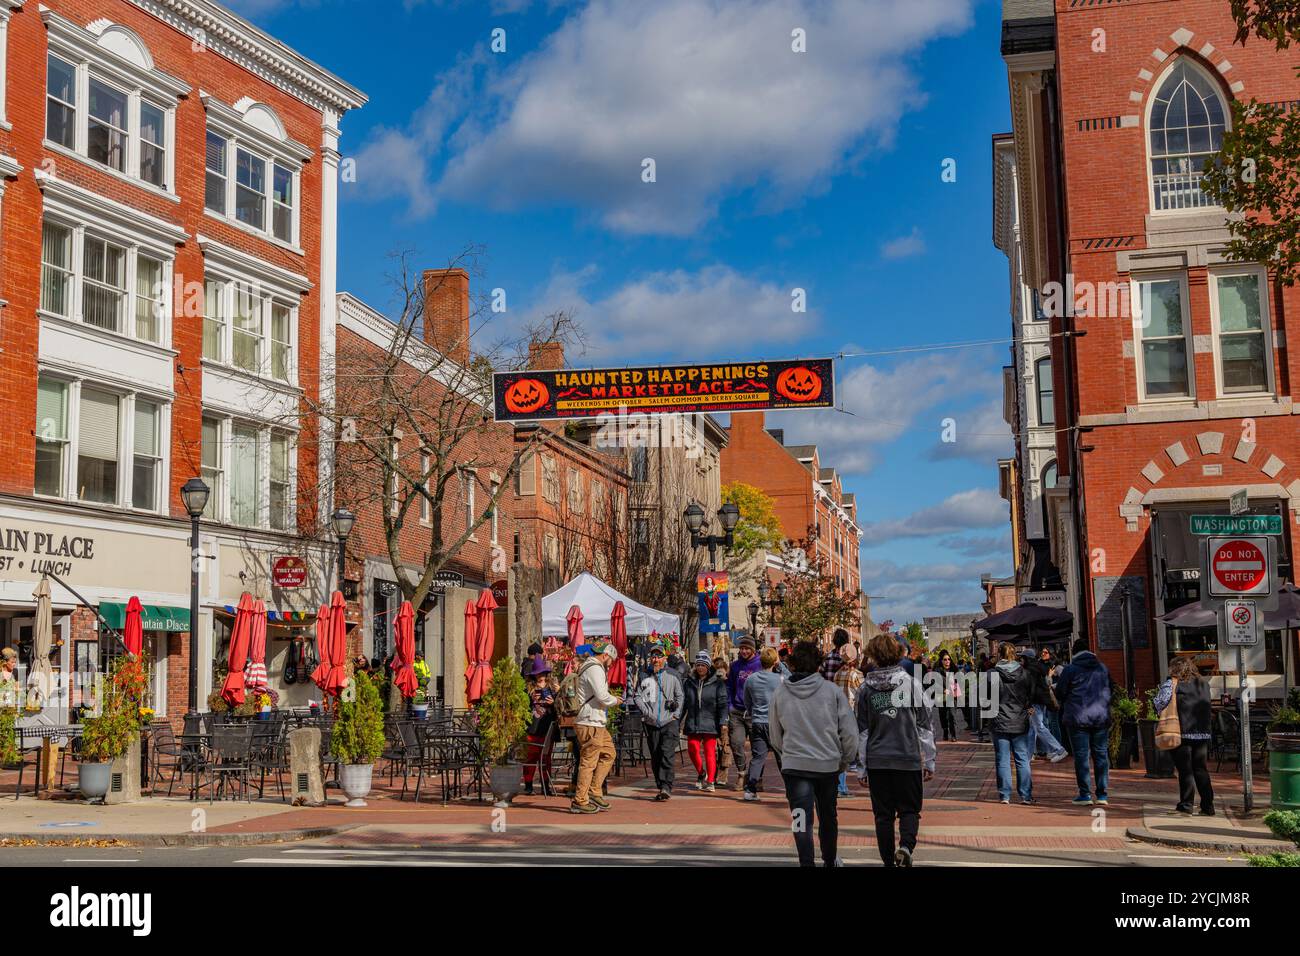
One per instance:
[(1185, 129)]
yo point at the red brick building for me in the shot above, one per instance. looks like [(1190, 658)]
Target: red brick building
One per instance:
[(1173, 377), (809, 499), (168, 194)]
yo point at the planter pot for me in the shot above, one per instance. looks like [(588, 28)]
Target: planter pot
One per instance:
[(1159, 763), (93, 780), (1284, 769), (505, 781), (421, 711), (355, 780), (263, 715), (1128, 745)]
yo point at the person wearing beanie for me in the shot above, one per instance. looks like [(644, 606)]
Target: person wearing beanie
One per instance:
[(660, 700), (542, 696), (705, 715), (745, 665)]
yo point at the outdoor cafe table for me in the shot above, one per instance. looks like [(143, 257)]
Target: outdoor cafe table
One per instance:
[(199, 744), (40, 733)]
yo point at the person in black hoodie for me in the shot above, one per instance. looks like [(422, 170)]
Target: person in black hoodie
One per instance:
[(948, 704), (1012, 687), (1041, 703)]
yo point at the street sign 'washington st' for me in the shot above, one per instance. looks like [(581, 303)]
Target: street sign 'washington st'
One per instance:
[(1236, 524)]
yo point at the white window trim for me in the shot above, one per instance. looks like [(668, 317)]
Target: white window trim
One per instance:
[(1135, 298), (469, 491), (1266, 325), (125, 439), (6, 8), (393, 464), (1152, 209), (221, 511), (426, 511), (230, 125), (494, 489), (80, 48), (73, 221)]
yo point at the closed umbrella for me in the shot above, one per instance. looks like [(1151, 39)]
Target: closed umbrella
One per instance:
[(474, 682), (331, 637), (40, 677), (574, 618), (255, 672), (240, 636), (618, 637), (404, 678), (133, 631), (485, 633)]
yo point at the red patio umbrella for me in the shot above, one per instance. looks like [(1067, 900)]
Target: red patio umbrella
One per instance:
[(486, 633), (404, 651), (475, 682), (133, 632), (240, 637), (255, 672), (618, 637), (331, 637), (574, 617)]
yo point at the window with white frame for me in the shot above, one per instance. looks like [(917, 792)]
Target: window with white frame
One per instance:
[(392, 466), (576, 500), (1162, 332), (550, 480), (262, 193), (89, 278), (4, 56), (250, 468), (1239, 301), (468, 483), (249, 328), (598, 501), (114, 113), (1185, 129), (100, 445), (426, 510), (1043, 383), (494, 513)]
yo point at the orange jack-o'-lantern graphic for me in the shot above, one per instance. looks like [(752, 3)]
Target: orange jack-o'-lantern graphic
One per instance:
[(526, 395), (799, 384)]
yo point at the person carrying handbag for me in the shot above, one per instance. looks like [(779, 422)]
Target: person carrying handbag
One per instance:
[(1183, 728)]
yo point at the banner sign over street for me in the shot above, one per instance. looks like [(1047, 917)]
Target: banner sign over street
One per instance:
[(536, 395)]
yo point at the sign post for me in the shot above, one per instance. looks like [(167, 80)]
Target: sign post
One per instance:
[(1241, 630)]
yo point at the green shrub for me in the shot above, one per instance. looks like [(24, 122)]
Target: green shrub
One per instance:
[(358, 734), (109, 735), (1274, 859), (8, 736), (505, 712), (1285, 824)]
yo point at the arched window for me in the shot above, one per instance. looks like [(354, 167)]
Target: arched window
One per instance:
[(1048, 482), (1043, 380), (1186, 125)]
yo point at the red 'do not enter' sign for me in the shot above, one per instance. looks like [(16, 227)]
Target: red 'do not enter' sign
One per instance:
[(1239, 566)]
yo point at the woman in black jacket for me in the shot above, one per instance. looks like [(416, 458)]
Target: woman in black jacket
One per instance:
[(1012, 687), (703, 718), (948, 705), (1192, 692)]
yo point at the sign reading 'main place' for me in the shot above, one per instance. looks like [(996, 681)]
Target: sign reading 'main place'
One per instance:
[(535, 395)]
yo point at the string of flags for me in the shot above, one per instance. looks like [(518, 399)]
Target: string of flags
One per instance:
[(288, 617)]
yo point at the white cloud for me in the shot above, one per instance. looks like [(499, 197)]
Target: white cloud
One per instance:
[(979, 434), (904, 246), (910, 592), (709, 89), (678, 314), (979, 546), (973, 508)]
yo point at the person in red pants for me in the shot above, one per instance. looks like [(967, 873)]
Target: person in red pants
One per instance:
[(704, 717), (538, 682)]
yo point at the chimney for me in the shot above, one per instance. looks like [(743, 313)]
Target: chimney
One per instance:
[(446, 312), (544, 356)]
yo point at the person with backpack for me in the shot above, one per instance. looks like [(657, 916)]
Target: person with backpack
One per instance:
[(1083, 691), (1012, 687), (1042, 701), (661, 700), (1185, 730), (896, 749), (596, 750), (706, 714), (815, 736)]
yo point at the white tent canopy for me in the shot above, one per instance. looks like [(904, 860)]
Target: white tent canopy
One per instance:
[(597, 600)]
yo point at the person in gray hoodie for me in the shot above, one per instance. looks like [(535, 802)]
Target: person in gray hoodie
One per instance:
[(1013, 688), (813, 732), (757, 697), (896, 725), (660, 700)]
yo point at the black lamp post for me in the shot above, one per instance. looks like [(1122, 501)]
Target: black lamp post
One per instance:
[(194, 495), (765, 589), (343, 521), (753, 618), (728, 515)]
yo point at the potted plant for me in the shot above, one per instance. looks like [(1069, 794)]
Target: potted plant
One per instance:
[(262, 701), (8, 737), (357, 739), (146, 716), (218, 707), (1159, 763), (1123, 728), (503, 717), (114, 730), (420, 704), (1284, 756)]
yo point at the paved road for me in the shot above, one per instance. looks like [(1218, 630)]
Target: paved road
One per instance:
[(321, 853)]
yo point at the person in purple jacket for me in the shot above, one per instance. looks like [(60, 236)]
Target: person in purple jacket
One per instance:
[(747, 663)]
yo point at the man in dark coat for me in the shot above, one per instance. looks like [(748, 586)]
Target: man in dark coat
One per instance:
[(1083, 693)]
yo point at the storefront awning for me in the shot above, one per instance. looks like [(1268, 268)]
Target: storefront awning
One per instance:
[(154, 618)]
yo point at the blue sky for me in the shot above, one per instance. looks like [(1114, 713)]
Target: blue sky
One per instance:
[(775, 170)]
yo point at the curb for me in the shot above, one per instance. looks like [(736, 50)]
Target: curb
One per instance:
[(181, 839), (1223, 846)]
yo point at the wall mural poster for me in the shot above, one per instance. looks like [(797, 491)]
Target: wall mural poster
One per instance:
[(536, 395), (711, 589)]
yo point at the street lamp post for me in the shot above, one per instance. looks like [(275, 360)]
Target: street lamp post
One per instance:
[(194, 495), (343, 520), (764, 589), (728, 515), (753, 619)]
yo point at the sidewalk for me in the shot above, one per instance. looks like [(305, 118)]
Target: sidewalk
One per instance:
[(961, 810)]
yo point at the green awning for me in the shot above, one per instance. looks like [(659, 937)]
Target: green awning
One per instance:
[(154, 618)]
